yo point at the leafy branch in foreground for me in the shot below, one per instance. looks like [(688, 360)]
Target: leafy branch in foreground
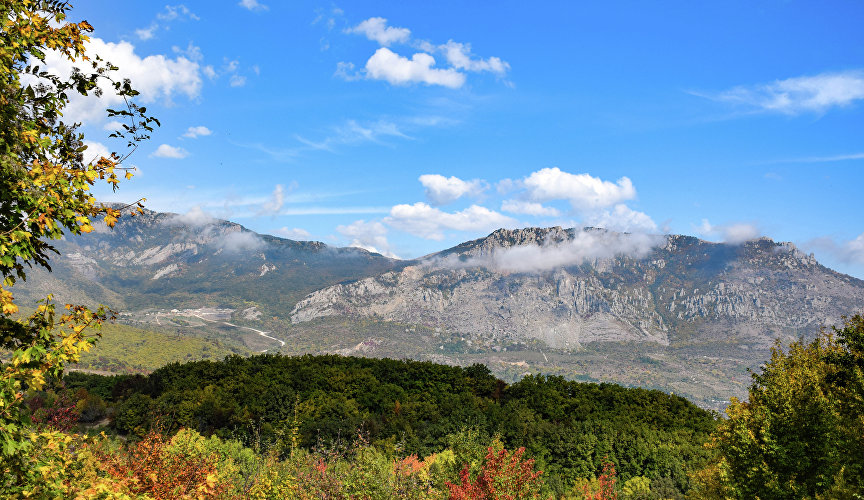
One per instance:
[(45, 192)]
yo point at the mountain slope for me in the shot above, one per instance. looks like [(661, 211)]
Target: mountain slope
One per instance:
[(565, 288), (163, 260)]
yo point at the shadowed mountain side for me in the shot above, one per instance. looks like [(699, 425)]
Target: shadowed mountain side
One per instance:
[(162, 260)]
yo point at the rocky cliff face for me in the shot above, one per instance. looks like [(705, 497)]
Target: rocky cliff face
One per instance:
[(565, 288)]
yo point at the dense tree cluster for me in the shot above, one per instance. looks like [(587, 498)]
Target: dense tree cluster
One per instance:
[(571, 429), (800, 434)]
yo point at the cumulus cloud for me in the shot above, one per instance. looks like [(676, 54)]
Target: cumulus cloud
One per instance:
[(371, 236), (156, 77), (441, 190), (582, 190), (528, 208), (734, 233), (585, 247), (459, 56), (814, 94), (376, 29), (274, 204), (195, 132), (397, 70), (295, 233), (428, 222), (621, 218), (252, 5), (166, 151)]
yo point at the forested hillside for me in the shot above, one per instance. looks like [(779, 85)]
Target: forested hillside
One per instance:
[(570, 428)]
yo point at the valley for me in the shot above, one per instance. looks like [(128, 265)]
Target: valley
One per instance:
[(673, 313)]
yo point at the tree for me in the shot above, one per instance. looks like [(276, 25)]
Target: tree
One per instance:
[(45, 181), (801, 432)]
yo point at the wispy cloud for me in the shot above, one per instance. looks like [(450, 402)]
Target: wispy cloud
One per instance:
[(169, 14), (334, 210), (821, 159), (252, 5), (296, 233), (371, 236), (849, 252), (734, 233), (802, 94)]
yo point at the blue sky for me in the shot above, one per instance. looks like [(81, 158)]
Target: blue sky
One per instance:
[(409, 127)]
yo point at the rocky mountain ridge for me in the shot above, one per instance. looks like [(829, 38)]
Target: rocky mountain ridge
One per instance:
[(566, 287)]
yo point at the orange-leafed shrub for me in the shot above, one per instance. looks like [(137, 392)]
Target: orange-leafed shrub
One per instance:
[(605, 485), (503, 476), (150, 467)]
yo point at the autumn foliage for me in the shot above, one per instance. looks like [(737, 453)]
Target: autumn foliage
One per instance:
[(503, 476), (150, 467)]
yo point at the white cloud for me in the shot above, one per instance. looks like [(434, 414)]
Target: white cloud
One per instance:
[(816, 94), (397, 70), (146, 33), (239, 241), (294, 233), (371, 236), (345, 71), (824, 159), (274, 204), (169, 14), (237, 80), (166, 151), (191, 52), (505, 186), (849, 252), (173, 12), (195, 132), (112, 126), (428, 222), (441, 190), (586, 246), (354, 132), (528, 208), (252, 5), (194, 217), (95, 151), (621, 218), (582, 190), (156, 77), (734, 233), (375, 28), (459, 56), (209, 72)]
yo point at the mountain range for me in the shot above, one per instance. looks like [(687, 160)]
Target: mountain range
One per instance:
[(662, 311)]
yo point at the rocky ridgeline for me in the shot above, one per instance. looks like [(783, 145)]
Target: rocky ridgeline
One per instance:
[(680, 288)]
